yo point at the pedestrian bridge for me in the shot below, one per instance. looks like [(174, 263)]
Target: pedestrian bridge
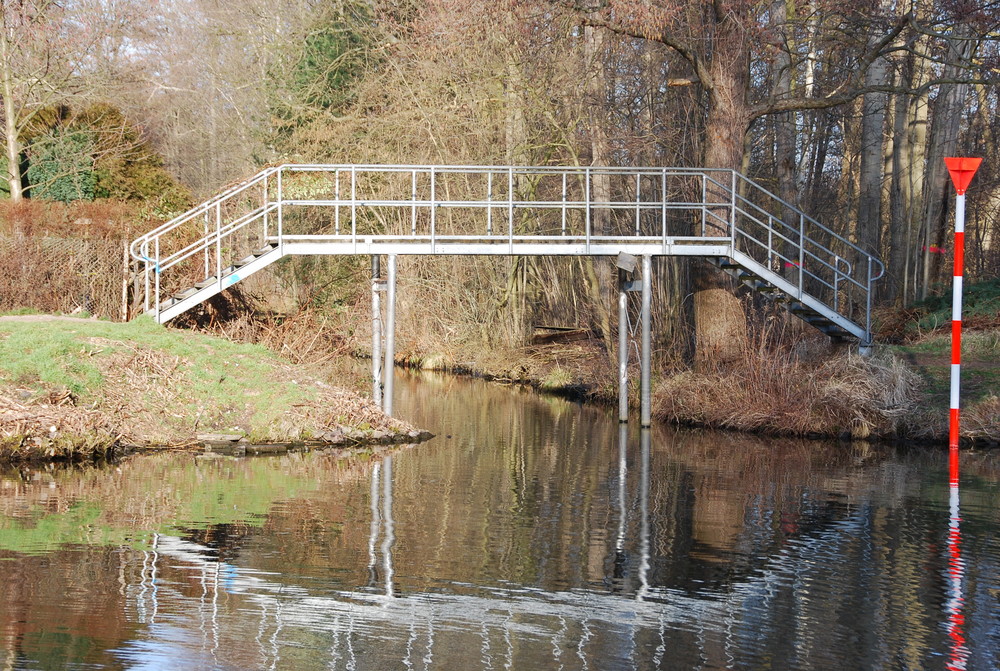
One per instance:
[(718, 215)]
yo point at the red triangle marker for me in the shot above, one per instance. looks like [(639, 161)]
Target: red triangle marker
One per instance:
[(962, 171)]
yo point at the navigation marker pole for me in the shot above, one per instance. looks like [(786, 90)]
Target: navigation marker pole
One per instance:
[(961, 170)]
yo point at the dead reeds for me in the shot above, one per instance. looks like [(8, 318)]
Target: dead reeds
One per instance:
[(786, 389)]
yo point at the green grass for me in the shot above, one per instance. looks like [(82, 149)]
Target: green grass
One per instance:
[(557, 379), (214, 382), (974, 343), (979, 301)]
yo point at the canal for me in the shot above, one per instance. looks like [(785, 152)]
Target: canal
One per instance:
[(530, 533)]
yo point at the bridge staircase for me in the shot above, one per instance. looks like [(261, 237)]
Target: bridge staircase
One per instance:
[(719, 215)]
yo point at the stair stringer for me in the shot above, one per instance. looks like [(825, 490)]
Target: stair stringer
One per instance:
[(172, 307), (792, 291)]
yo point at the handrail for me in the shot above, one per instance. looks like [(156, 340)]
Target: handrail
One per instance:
[(744, 213), (825, 229), (197, 210)]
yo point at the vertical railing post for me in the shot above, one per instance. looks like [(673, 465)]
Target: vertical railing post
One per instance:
[(264, 203), (802, 253), (564, 195), (145, 256), (836, 283), (868, 305), (218, 244), (732, 210), (770, 242), (281, 211), (156, 269), (413, 207), (336, 208), (207, 246), (704, 204), (663, 210), (433, 207), (638, 211), (489, 203), (587, 204), (510, 209), (354, 206)]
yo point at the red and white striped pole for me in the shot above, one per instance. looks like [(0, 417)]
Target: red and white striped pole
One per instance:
[(961, 170)]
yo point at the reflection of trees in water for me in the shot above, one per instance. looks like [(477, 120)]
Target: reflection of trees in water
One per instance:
[(758, 539)]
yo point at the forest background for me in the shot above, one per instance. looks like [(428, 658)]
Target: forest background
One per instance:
[(119, 114)]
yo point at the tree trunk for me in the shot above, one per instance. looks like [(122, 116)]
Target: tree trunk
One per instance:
[(719, 318), (900, 234), (785, 163), (873, 108), (11, 134), (602, 288), (943, 142)]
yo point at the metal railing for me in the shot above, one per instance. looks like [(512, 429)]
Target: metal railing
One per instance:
[(427, 209)]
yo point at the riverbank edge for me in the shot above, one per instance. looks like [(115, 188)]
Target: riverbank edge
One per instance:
[(918, 416), (74, 389)]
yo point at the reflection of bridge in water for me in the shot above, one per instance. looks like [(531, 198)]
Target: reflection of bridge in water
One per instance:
[(627, 213), (505, 626)]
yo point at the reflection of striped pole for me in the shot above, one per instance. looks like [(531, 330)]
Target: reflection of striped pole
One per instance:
[(962, 170)]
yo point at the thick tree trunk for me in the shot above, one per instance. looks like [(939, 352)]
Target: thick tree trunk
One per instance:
[(900, 235), (873, 108), (785, 162), (603, 284), (719, 317)]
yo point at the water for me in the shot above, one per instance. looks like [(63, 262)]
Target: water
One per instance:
[(532, 533)]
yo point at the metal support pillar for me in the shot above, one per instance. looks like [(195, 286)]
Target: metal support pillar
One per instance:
[(376, 330), (647, 292), (390, 337), (622, 348)]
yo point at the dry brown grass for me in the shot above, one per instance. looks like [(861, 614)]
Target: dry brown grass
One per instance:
[(102, 219), (53, 427), (781, 390), (979, 422)]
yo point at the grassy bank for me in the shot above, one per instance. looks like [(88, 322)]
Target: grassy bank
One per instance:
[(79, 387)]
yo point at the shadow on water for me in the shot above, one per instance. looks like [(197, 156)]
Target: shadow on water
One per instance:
[(533, 532)]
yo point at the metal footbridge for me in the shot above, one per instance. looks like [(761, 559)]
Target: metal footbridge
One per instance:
[(718, 215)]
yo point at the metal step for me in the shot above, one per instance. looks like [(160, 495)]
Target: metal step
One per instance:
[(185, 293)]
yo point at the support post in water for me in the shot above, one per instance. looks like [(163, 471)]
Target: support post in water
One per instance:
[(647, 342), (962, 171), (622, 348), (376, 330), (626, 264), (390, 336)]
